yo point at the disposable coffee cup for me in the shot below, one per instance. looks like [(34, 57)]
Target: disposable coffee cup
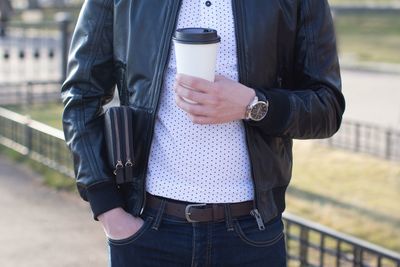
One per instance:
[(196, 52)]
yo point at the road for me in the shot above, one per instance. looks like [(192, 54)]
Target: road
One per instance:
[(40, 227), (372, 97)]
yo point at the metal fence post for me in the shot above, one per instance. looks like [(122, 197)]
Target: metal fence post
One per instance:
[(304, 246), (357, 257), (29, 94), (388, 146), (357, 137), (64, 21), (28, 136)]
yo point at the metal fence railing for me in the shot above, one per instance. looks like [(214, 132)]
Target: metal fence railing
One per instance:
[(27, 93), (367, 138), (308, 244), (36, 140), (313, 245)]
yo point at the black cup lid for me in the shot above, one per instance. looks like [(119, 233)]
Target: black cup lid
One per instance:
[(196, 36)]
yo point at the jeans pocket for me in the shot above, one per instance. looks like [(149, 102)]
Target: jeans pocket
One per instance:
[(139, 233), (247, 230)]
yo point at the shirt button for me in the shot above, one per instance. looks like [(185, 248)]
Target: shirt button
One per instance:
[(208, 3)]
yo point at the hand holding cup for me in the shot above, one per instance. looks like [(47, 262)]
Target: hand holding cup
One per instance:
[(196, 52)]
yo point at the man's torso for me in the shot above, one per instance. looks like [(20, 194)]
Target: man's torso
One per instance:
[(200, 163)]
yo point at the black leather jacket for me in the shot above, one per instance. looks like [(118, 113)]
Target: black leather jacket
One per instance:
[(286, 52)]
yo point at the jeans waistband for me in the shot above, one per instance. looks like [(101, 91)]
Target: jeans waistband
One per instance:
[(196, 212)]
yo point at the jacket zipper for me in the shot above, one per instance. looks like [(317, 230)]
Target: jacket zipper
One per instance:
[(165, 50), (241, 69), (258, 218), (124, 91)]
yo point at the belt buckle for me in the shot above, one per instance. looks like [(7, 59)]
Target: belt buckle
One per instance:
[(187, 211)]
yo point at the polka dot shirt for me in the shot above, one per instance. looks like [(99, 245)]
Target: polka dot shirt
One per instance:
[(200, 163)]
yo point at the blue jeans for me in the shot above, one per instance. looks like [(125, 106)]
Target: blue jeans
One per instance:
[(167, 241)]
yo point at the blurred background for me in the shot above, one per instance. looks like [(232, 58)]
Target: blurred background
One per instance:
[(343, 205)]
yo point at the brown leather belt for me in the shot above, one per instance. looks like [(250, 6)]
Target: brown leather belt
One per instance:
[(195, 212)]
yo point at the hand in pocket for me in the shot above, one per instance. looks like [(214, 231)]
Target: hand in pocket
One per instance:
[(118, 224)]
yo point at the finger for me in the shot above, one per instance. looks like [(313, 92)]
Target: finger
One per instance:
[(192, 109), (194, 83), (198, 97)]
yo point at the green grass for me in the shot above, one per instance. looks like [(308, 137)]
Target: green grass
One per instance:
[(352, 193), (369, 36), (50, 177), (49, 113)]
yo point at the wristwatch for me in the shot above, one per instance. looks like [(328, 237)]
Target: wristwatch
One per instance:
[(256, 110)]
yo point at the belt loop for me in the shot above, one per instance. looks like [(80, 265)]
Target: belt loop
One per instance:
[(159, 215), (228, 216), (214, 211)]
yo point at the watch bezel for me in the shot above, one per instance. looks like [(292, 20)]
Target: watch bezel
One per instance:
[(252, 109)]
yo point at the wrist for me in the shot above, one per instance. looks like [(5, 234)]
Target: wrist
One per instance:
[(110, 215), (247, 101), (257, 109)]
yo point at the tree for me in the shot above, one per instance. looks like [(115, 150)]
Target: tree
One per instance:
[(33, 4)]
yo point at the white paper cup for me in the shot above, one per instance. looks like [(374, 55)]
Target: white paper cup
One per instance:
[(196, 52)]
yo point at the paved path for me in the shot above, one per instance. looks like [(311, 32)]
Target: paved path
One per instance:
[(42, 227), (372, 97)]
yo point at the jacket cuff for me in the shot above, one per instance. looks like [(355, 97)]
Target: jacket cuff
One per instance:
[(276, 120), (104, 197)]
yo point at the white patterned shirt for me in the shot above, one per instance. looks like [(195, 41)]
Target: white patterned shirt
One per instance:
[(192, 162)]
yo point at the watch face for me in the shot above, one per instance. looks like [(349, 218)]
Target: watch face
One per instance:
[(259, 111)]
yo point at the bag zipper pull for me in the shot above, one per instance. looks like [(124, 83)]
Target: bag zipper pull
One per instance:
[(259, 220), (118, 172), (128, 171)]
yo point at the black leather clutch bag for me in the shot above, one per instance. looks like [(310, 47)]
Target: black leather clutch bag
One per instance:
[(118, 135)]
